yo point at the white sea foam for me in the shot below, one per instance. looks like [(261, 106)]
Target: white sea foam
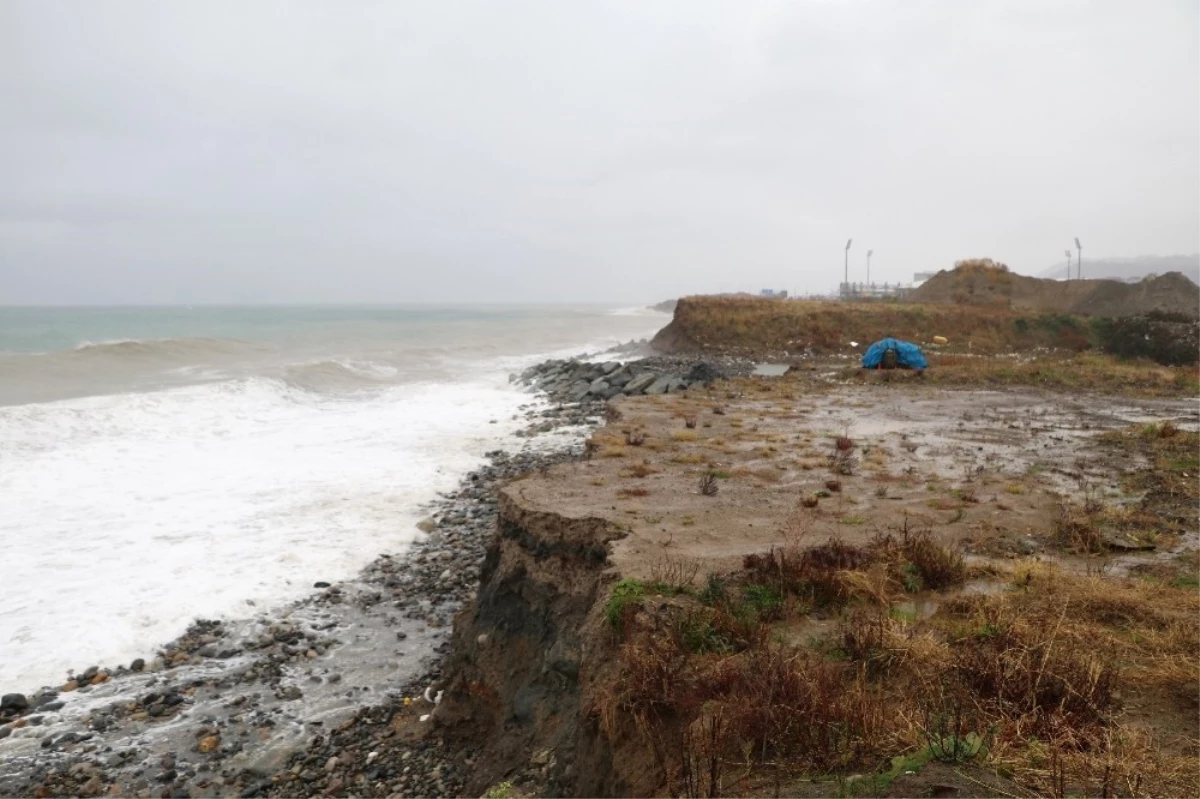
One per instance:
[(124, 516), (147, 481), (638, 311)]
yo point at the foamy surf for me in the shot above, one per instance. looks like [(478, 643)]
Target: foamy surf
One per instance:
[(129, 515), (218, 463)]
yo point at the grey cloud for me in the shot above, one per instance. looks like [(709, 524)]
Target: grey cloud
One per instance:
[(377, 151)]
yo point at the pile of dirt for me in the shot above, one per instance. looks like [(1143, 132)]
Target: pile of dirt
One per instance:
[(984, 282), (1172, 293)]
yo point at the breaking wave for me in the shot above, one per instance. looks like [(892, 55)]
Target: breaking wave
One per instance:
[(164, 348), (323, 377)]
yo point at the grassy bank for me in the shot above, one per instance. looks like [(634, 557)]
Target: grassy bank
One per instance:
[(763, 327), (748, 325)]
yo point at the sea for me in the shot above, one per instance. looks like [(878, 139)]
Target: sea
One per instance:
[(163, 464)]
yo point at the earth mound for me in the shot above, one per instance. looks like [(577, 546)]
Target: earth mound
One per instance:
[(988, 283)]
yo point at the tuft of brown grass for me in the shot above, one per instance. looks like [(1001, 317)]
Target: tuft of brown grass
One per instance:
[(643, 469), (636, 491)]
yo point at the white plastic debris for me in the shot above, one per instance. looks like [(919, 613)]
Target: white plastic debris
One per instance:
[(853, 343), (424, 717)]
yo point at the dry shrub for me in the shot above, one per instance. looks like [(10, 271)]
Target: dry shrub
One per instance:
[(636, 491), (635, 438), (689, 421), (679, 574), (1025, 670), (829, 574), (843, 462), (612, 413), (658, 682), (1076, 530), (639, 470), (835, 572), (917, 561), (708, 485), (786, 703)]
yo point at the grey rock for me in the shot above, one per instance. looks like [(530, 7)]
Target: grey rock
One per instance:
[(659, 386), (14, 703), (639, 384), (620, 378)]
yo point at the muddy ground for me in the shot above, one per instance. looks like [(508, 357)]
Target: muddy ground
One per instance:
[(986, 470)]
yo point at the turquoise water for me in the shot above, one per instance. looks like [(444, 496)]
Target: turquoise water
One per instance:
[(57, 353)]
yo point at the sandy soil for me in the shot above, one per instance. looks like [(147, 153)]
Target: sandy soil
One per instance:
[(981, 468)]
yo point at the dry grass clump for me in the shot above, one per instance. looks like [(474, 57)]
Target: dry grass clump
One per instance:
[(1021, 668), (1036, 682), (1076, 530), (636, 491), (1082, 372), (643, 469), (835, 573)]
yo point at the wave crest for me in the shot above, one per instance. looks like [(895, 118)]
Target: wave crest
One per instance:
[(154, 347), (323, 377)]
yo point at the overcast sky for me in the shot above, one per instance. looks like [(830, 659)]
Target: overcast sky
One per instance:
[(564, 151)]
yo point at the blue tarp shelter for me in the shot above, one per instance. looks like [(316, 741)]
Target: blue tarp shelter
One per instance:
[(908, 355)]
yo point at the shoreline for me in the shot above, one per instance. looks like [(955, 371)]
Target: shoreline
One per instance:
[(226, 708)]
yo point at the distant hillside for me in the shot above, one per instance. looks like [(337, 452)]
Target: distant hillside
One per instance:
[(1130, 268), (981, 282)]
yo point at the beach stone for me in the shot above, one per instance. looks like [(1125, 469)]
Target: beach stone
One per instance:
[(659, 386), (14, 703), (578, 391), (138, 664), (620, 378), (639, 384), (427, 525)]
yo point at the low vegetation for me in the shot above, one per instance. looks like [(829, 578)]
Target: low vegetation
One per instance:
[(1029, 682)]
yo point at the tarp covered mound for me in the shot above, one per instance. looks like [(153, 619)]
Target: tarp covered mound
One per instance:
[(907, 355)]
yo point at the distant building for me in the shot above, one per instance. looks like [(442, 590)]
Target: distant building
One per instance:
[(773, 293)]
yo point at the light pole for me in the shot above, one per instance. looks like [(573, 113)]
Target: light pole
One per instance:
[(1079, 260), (1068, 252), (846, 279), (869, 253)]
